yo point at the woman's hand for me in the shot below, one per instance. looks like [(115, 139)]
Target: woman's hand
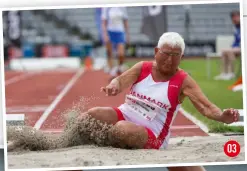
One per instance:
[(229, 116), (112, 89)]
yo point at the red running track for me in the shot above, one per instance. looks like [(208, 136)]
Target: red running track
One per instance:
[(32, 95), (45, 96)]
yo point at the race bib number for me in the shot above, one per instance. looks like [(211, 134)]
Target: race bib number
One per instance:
[(142, 107)]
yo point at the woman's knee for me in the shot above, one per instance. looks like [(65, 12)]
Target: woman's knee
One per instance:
[(121, 129), (130, 134), (228, 52), (93, 111), (224, 52), (104, 114)]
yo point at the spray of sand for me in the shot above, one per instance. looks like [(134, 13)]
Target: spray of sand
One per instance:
[(76, 132)]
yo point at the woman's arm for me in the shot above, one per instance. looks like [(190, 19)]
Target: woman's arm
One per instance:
[(123, 81), (129, 77), (191, 89)]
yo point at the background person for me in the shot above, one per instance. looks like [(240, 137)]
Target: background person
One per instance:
[(229, 55), (115, 35)]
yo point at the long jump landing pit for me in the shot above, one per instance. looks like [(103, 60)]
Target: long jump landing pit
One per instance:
[(188, 144), (191, 150)]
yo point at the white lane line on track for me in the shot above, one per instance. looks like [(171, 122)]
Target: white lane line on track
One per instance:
[(19, 78), (47, 112), (29, 74), (177, 127)]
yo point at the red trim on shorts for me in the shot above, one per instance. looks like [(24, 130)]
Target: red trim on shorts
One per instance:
[(151, 142), (151, 137), (119, 114)]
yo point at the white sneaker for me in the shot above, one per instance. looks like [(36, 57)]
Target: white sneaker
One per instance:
[(222, 76), (123, 68), (230, 76), (114, 71), (107, 69), (225, 76)]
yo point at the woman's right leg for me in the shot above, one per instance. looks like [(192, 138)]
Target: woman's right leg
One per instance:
[(123, 133), (104, 114)]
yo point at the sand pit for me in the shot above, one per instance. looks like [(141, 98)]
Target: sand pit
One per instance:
[(181, 150)]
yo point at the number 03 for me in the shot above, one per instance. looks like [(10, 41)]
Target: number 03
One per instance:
[(231, 148)]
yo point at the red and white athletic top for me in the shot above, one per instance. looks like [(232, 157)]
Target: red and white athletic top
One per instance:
[(164, 96)]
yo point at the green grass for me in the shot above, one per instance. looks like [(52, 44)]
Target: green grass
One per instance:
[(216, 91)]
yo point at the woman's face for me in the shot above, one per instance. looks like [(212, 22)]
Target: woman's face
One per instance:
[(168, 58)]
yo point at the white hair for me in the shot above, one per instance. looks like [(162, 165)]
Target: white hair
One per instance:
[(172, 39)]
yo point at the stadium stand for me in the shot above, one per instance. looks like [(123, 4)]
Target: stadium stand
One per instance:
[(38, 28)]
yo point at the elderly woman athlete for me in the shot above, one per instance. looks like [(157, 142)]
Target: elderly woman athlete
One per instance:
[(157, 90)]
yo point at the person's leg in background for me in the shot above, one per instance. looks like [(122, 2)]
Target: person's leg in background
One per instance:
[(225, 62), (109, 52), (118, 40), (113, 41), (121, 53), (232, 55), (227, 65), (107, 37), (187, 168), (121, 58)]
